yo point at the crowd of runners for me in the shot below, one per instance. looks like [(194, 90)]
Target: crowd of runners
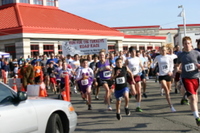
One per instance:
[(122, 74)]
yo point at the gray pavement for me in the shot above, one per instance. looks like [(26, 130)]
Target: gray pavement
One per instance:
[(156, 115)]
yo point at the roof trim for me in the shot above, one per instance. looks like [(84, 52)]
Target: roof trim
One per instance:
[(137, 27), (144, 37), (169, 29), (180, 25)]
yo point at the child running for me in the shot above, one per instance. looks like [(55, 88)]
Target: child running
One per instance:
[(85, 78), (119, 74)]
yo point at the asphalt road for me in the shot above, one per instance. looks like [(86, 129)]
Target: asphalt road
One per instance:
[(155, 118)]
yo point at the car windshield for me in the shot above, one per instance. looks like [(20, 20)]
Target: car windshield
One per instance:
[(5, 92)]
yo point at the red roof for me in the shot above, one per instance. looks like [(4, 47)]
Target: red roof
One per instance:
[(189, 25), (144, 37), (27, 18), (137, 27)]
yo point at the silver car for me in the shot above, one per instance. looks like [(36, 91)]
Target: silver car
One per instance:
[(34, 115)]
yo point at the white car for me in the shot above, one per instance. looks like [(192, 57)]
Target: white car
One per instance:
[(34, 115)]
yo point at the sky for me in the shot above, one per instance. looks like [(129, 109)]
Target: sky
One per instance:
[(122, 13)]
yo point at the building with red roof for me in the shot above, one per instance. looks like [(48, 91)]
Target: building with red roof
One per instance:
[(29, 27)]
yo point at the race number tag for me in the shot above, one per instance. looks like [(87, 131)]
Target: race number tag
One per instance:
[(120, 80), (134, 69), (164, 67), (38, 71), (189, 67), (106, 74), (84, 82)]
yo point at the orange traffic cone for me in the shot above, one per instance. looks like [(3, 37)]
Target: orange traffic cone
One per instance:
[(64, 96), (14, 85), (43, 92)]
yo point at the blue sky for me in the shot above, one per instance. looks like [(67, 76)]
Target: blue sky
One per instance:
[(119, 13)]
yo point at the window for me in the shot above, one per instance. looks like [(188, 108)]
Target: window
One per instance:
[(48, 49), (59, 49), (125, 48), (111, 48), (38, 2), (6, 95), (11, 50), (24, 1), (50, 2), (6, 2), (34, 50)]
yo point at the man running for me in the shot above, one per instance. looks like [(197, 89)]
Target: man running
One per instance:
[(189, 59)]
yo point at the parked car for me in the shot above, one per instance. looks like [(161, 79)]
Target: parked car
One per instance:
[(20, 114)]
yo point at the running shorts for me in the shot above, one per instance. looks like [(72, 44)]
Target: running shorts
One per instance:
[(119, 93), (191, 85)]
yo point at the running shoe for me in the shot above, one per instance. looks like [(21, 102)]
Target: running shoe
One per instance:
[(89, 107), (144, 95), (198, 121), (109, 108), (119, 117), (96, 98), (161, 91), (138, 109), (184, 102), (173, 109), (176, 91), (127, 111), (111, 100)]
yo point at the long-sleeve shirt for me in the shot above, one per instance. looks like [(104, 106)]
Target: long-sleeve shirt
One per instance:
[(165, 64)]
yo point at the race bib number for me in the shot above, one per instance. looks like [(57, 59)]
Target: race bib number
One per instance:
[(134, 69), (106, 74), (38, 71), (52, 75), (84, 82), (120, 80), (189, 67), (164, 67)]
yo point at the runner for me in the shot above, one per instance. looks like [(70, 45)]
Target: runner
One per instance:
[(165, 72), (95, 87), (103, 68), (85, 78), (142, 74), (134, 64), (38, 70), (119, 74), (189, 59)]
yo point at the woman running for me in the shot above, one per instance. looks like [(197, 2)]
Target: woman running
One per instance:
[(165, 72), (103, 69)]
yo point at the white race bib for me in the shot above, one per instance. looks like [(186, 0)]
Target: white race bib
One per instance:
[(120, 80), (38, 71), (106, 74), (189, 67), (134, 69), (84, 82), (164, 67)]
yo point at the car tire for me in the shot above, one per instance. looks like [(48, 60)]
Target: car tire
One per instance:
[(54, 124)]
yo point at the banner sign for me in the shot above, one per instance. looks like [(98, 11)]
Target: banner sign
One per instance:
[(84, 47)]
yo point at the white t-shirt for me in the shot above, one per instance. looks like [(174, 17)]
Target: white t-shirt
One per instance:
[(75, 64), (134, 65), (82, 71), (173, 56), (165, 64)]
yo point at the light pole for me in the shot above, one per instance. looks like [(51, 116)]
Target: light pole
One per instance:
[(182, 14)]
